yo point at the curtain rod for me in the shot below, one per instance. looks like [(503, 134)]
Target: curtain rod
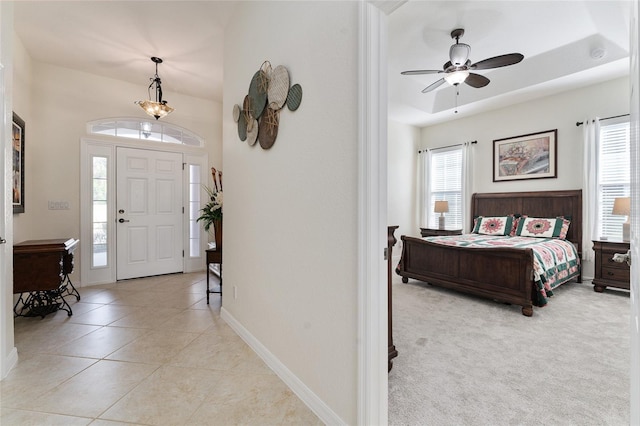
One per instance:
[(580, 123), (449, 146)]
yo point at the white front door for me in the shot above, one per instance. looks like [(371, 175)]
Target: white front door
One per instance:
[(149, 213)]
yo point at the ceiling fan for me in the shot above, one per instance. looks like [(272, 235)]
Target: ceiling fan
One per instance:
[(458, 68)]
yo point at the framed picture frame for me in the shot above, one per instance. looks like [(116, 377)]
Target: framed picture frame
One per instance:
[(17, 136), (532, 156)]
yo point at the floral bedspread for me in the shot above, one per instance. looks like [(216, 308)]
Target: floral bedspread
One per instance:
[(555, 261)]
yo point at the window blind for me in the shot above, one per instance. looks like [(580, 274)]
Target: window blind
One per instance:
[(613, 176), (445, 183)]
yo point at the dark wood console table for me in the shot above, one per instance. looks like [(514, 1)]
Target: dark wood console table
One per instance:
[(41, 270), (214, 256), (391, 241)]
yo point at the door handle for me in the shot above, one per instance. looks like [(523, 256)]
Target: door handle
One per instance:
[(3, 241), (121, 220)]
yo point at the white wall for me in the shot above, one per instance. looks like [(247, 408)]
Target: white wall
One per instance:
[(56, 103), (8, 352), (290, 218), (402, 208), (560, 111)]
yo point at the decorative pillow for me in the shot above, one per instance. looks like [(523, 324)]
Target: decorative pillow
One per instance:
[(565, 228), (543, 227), (514, 227), (493, 225)]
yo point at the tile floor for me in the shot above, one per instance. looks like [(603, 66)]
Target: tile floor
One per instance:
[(148, 351)]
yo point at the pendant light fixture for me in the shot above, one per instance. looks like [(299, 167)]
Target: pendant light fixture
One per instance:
[(157, 108)]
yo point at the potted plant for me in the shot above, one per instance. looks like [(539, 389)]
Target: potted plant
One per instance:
[(211, 214)]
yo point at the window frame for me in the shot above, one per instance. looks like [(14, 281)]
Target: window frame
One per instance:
[(610, 226), (454, 218)]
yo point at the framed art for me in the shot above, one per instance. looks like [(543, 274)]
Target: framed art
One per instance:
[(531, 156), (17, 136)]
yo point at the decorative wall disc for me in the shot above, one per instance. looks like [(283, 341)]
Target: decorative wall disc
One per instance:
[(236, 112), (278, 86), (242, 127), (247, 109), (295, 97), (269, 123), (259, 117), (252, 132), (258, 92)]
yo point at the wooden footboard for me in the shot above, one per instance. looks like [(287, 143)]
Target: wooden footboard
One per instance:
[(502, 274)]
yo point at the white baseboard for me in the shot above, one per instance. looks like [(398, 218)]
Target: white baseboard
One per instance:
[(317, 405)]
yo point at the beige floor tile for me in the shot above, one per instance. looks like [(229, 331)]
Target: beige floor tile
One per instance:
[(214, 302), (100, 343), (100, 422), (193, 320), (168, 397), (10, 417), (178, 299), (93, 390), (49, 336), (81, 307), (37, 375), (147, 317), (248, 399), (108, 295), (156, 346), (296, 413), (103, 315), (148, 351), (219, 326), (210, 351)]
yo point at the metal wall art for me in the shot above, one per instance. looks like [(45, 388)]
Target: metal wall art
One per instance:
[(259, 116)]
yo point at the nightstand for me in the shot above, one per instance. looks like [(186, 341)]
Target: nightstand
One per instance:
[(607, 272), (430, 232)]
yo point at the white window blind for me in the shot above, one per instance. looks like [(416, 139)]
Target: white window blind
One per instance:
[(445, 183), (613, 176)]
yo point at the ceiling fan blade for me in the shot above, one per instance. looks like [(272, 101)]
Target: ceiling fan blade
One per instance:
[(477, 80), (420, 72), (433, 86), (498, 61)]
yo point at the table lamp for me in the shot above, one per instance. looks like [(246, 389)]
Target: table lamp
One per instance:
[(441, 207), (622, 207)]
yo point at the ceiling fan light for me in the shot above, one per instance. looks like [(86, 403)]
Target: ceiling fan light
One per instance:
[(459, 53), (456, 77)]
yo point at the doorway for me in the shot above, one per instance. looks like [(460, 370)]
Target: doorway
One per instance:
[(149, 213), (138, 208)]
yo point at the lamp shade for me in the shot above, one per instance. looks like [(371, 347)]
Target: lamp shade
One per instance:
[(622, 206), (441, 207), (456, 77), (155, 109)]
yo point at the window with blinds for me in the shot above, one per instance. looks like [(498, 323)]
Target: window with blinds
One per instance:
[(445, 183), (613, 176)]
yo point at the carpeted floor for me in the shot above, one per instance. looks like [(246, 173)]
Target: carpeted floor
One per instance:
[(470, 361)]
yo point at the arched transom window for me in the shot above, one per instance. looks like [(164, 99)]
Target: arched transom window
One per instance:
[(146, 130)]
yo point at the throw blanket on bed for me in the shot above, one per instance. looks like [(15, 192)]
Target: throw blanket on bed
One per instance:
[(555, 261)]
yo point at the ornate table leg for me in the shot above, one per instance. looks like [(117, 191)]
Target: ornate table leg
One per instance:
[(391, 241)]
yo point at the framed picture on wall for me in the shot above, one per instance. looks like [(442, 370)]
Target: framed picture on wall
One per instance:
[(17, 136), (531, 156)]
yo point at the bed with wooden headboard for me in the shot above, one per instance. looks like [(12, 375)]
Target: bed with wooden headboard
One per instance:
[(500, 273)]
